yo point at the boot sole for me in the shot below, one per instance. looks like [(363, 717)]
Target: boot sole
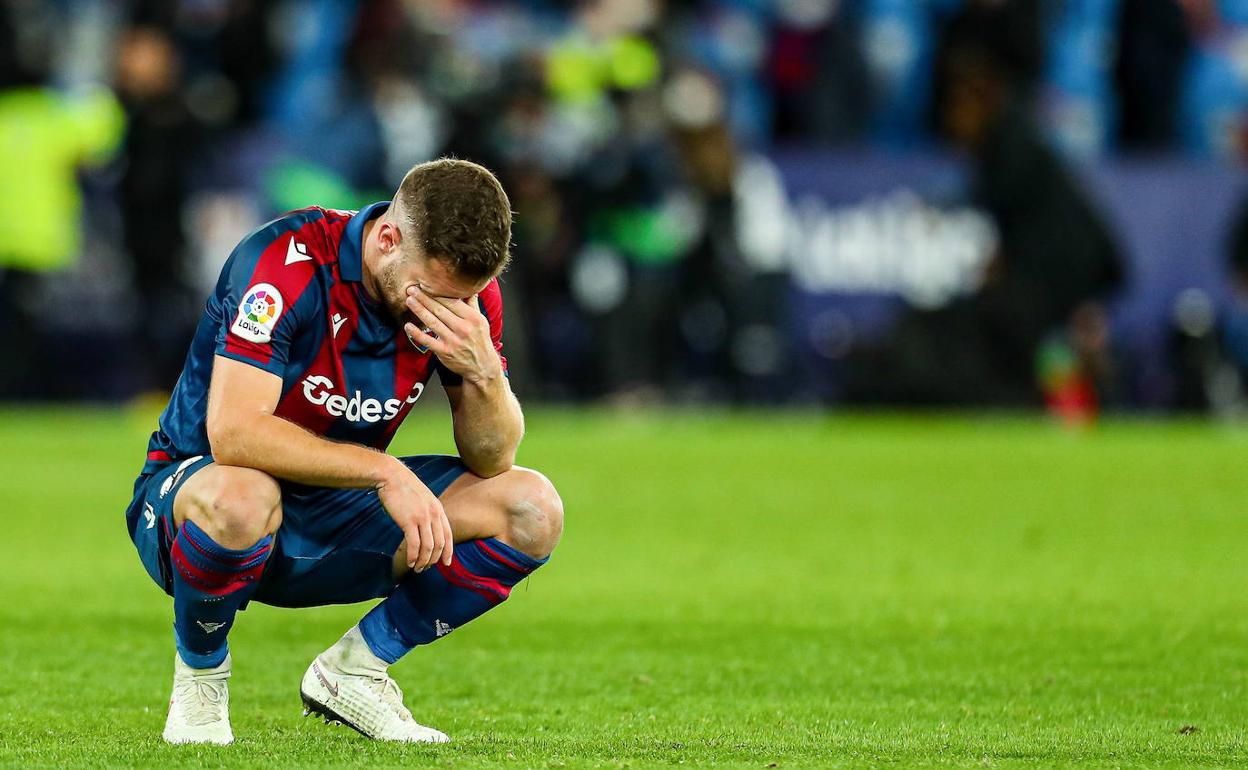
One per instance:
[(312, 707)]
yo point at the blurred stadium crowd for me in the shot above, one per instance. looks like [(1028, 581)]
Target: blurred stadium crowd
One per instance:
[(139, 140)]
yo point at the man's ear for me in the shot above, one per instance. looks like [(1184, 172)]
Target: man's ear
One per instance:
[(388, 236)]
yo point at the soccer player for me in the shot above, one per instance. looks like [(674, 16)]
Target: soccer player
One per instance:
[(267, 479)]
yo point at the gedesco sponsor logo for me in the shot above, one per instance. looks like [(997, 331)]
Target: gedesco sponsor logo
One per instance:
[(318, 389)]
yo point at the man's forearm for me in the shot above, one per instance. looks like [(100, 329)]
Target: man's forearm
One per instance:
[(286, 451), (488, 426)]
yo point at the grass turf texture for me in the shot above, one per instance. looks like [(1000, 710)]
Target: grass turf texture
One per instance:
[(740, 591)]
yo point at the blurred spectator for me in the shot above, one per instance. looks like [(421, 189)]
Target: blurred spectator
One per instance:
[(161, 147), (1055, 253), (730, 312), (45, 136), (1153, 46), (1198, 359), (1233, 343), (636, 237), (1079, 107), (817, 71), (1214, 103)]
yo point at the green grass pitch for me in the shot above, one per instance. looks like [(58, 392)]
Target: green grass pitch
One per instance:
[(754, 590)]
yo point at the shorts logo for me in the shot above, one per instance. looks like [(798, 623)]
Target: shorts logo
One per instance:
[(258, 313), (172, 479)]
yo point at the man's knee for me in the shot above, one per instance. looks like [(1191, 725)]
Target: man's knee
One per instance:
[(534, 513), (235, 506)]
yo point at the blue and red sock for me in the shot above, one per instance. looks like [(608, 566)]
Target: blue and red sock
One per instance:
[(430, 604), (210, 583)]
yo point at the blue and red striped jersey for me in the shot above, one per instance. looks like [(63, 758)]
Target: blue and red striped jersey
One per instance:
[(290, 301)]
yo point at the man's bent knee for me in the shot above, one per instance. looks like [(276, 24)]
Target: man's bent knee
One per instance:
[(235, 506), (534, 513)]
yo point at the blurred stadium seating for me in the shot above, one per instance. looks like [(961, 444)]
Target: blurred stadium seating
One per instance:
[(764, 201)]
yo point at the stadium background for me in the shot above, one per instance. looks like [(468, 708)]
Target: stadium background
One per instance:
[(752, 236)]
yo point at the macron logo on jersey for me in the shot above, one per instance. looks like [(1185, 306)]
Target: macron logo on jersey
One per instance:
[(319, 391), (258, 313), (296, 252)]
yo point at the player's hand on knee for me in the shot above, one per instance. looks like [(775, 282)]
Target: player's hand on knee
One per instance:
[(457, 332), (420, 516)]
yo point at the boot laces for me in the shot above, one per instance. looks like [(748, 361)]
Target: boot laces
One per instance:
[(388, 691), (204, 698)]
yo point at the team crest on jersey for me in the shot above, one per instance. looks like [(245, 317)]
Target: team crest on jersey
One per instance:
[(421, 349), (258, 313)]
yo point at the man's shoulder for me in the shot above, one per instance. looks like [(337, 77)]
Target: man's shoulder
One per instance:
[(307, 235), (285, 262), (293, 246)]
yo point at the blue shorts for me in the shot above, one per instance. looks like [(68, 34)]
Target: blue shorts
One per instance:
[(335, 546)]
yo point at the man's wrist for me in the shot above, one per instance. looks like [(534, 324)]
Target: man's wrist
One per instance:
[(486, 381), (388, 470)]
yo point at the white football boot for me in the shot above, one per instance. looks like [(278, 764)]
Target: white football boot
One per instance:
[(348, 684), (199, 709)]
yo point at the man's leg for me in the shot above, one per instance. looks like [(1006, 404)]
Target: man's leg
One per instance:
[(505, 527), (226, 518)]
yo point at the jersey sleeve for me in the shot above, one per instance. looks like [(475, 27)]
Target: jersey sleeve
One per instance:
[(260, 297), (491, 298)]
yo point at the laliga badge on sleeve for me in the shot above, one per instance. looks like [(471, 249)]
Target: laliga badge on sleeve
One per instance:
[(258, 313)]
